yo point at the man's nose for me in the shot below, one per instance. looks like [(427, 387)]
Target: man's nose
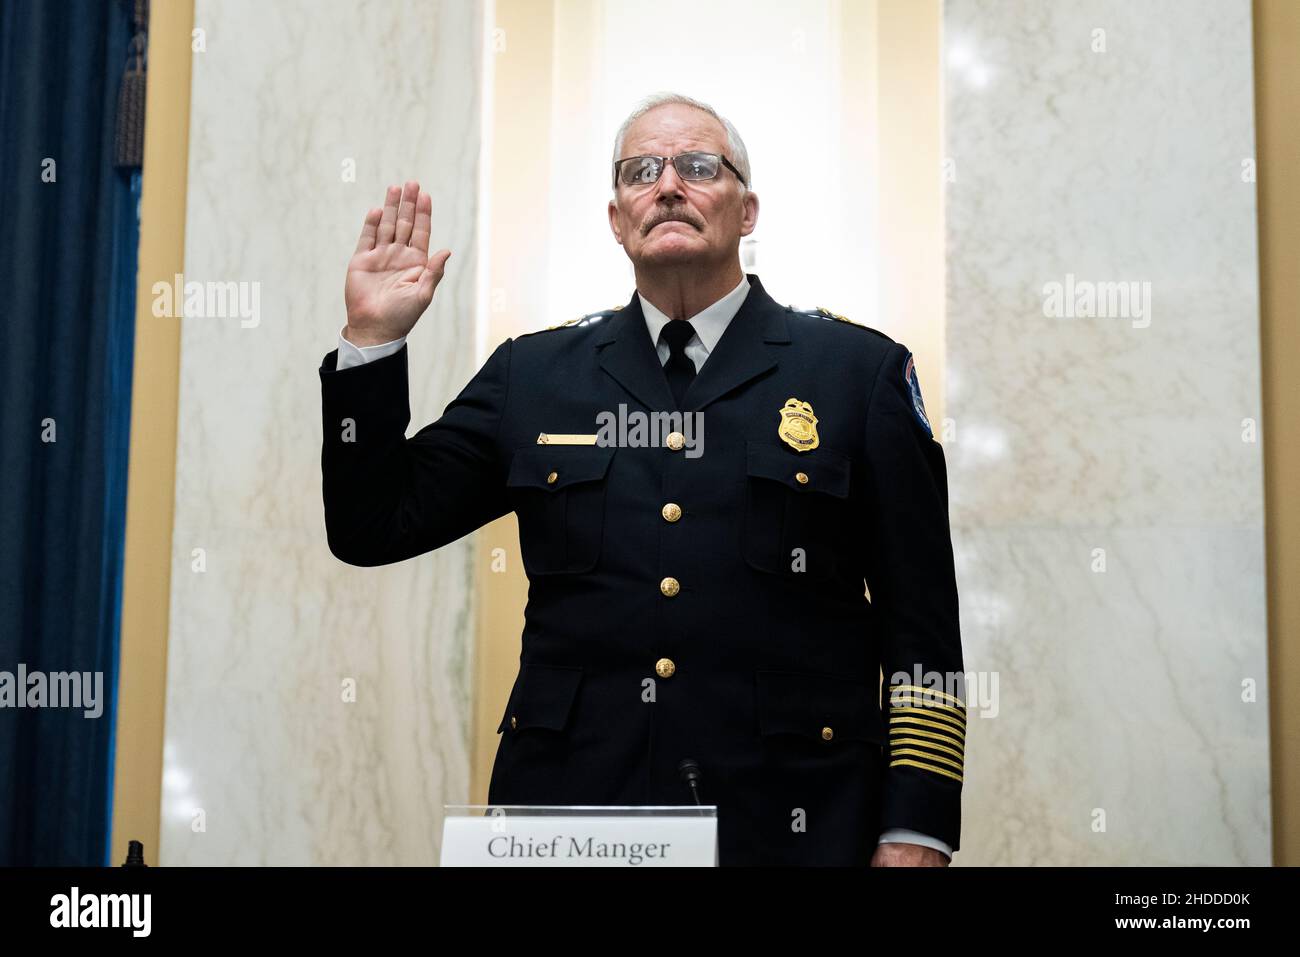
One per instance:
[(670, 184)]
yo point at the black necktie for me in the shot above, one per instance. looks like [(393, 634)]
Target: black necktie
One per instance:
[(679, 369)]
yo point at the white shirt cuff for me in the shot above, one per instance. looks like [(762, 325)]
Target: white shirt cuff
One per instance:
[(350, 355), (900, 835)]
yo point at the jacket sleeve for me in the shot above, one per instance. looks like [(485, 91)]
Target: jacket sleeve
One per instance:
[(387, 497), (913, 589)]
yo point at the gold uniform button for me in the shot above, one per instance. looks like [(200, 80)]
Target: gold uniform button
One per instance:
[(827, 734), (552, 477), (671, 512), (675, 441), (665, 667), (670, 586), (514, 722), (801, 478)]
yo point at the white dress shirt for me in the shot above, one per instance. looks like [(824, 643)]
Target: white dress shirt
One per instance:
[(710, 323)]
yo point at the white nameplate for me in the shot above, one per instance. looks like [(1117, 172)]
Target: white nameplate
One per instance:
[(581, 837)]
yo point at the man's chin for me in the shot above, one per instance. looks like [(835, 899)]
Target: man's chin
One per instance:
[(666, 253)]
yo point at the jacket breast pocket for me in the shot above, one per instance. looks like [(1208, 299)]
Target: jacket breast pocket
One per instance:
[(798, 515), (823, 709), (558, 492)]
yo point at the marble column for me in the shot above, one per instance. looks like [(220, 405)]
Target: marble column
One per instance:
[(1104, 435), (316, 713)]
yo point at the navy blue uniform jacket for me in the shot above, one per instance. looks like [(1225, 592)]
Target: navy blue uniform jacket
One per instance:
[(762, 660)]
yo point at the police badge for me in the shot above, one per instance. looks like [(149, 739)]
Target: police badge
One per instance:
[(798, 428)]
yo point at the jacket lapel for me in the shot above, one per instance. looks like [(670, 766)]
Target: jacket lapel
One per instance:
[(629, 357), (749, 347)]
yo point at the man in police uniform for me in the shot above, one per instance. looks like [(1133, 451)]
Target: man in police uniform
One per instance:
[(696, 626)]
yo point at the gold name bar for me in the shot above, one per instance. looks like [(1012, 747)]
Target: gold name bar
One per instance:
[(562, 438)]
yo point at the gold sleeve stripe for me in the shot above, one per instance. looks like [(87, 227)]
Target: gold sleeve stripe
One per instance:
[(924, 767), (928, 692), (929, 719), (900, 702), (928, 744), (946, 739), (896, 749), (927, 755)]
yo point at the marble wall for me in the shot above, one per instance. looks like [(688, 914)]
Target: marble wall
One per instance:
[(266, 761), (1105, 466)]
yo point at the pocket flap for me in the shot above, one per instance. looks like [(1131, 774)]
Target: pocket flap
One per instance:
[(825, 470), (810, 705), (541, 698), (534, 465)]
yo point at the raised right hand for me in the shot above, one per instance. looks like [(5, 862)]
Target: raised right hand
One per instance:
[(391, 276)]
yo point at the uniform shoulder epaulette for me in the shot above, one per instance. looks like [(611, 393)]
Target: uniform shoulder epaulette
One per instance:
[(586, 320), (821, 312)]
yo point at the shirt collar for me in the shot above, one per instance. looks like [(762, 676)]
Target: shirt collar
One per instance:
[(710, 323)]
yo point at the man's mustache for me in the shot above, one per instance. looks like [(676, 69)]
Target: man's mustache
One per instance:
[(671, 218)]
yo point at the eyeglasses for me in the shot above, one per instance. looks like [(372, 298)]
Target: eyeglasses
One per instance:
[(644, 170)]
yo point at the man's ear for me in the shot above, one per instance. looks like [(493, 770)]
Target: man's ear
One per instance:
[(613, 222), (750, 218)]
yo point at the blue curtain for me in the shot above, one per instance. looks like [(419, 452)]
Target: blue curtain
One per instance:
[(68, 236)]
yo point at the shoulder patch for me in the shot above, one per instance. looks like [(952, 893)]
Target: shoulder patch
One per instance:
[(914, 389), (821, 312)]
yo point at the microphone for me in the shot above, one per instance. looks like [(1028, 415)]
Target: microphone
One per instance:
[(689, 770), (134, 855)]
